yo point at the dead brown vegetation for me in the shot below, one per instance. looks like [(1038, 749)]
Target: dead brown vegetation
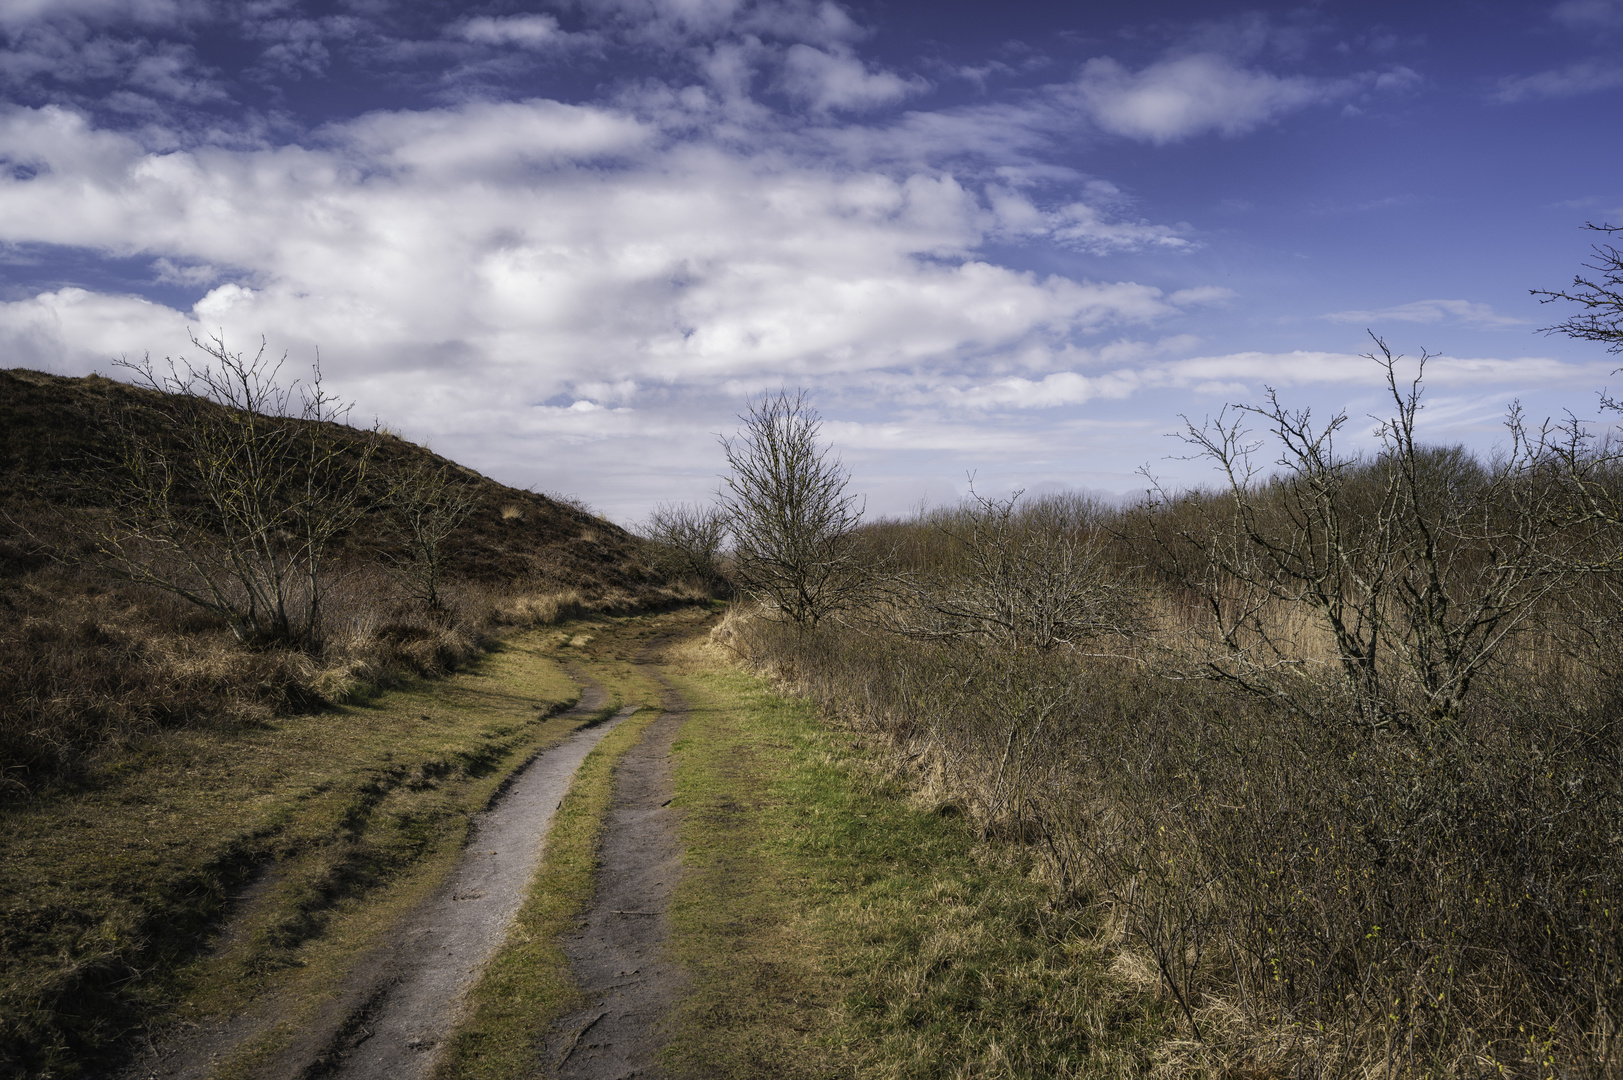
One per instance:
[(1347, 789)]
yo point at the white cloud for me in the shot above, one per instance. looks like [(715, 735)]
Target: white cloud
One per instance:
[(1189, 95), (1081, 224), (672, 24), (15, 13), (473, 139), (477, 240), (838, 80), (1583, 77), (1457, 312), (1238, 376), (1398, 80), (68, 330), (167, 272), (524, 31), (1085, 226), (1003, 132), (1213, 295), (69, 56)]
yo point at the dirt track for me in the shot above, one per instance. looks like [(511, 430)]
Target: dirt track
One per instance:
[(618, 954), (444, 945), (400, 1002)]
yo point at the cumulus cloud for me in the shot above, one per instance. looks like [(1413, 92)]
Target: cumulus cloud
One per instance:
[(67, 330), (1456, 312), (477, 237), (612, 276)]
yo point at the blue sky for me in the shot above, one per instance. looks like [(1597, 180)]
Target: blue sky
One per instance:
[(565, 242)]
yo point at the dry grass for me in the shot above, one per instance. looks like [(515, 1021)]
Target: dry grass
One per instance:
[(1305, 897), (88, 664)]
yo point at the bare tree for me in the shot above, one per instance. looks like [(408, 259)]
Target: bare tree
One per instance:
[(688, 540), (429, 504), (235, 503), (1421, 562), (1600, 298), (1033, 576), (791, 519)]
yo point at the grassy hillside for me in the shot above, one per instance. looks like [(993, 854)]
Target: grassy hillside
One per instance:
[(91, 662)]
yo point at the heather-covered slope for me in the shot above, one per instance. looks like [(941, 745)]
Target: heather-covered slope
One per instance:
[(89, 660)]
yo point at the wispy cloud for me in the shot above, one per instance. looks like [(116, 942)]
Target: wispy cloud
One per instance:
[(836, 79), (1456, 312), (1589, 15), (18, 13), (1572, 80), (1243, 375), (524, 31)]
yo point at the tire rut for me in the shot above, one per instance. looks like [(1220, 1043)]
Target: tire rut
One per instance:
[(402, 999), (443, 947), (618, 956)]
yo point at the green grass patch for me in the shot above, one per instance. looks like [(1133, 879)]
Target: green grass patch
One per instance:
[(833, 929), (305, 828)]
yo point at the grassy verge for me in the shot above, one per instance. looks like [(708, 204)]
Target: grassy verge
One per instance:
[(834, 929), (307, 829)]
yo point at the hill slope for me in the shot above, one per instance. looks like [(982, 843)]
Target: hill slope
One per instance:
[(89, 661)]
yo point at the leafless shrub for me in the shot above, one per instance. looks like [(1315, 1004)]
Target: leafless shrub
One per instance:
[(687, 539), (1016, 577), (1409, 869), (1421, 562), (429, 503), (1601, 301), (235, 506)]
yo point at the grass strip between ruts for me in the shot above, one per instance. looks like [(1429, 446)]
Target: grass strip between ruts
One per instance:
[(528, 984), (833, 929)]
